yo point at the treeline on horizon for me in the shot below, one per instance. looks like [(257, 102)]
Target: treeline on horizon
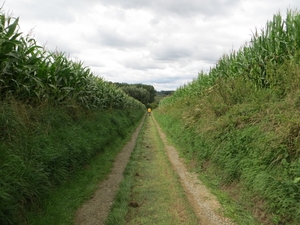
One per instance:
[(142, 92)]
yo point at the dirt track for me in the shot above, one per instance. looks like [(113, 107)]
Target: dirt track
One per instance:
[(205, 205), (95, 211)]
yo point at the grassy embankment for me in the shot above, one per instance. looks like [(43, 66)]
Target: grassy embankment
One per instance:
[(59, 123), (239, 125), (151, 192), (105, 133)]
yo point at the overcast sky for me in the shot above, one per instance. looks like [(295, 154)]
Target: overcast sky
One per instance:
[(164, 43)]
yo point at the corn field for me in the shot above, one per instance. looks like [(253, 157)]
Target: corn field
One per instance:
[(55, 116), (278, 42), (33, 75)]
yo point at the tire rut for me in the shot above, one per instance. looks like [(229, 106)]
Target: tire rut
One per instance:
[(205, 205), (96, 210)]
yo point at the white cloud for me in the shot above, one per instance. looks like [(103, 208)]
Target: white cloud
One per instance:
[(161, 43)]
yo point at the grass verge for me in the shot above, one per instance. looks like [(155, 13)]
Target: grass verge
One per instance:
[(60, 205), (192, 147)]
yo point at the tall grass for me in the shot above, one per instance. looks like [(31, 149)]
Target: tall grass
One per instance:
[(246, 141)]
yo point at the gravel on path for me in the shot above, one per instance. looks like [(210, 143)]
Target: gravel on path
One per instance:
[(205, 204)]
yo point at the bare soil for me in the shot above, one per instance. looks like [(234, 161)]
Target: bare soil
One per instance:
[(205, 205)]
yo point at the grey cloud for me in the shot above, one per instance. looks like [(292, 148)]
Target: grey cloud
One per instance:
[(94, 63), (55, 10), (118, 40), (164, 79), (209, 54), (179, 7), (172, 52), (140, 64), (185, 54), (64, 44)]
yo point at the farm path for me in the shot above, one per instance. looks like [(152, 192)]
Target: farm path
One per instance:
[(205, 205)]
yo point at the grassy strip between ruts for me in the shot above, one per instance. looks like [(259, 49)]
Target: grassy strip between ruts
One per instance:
[(61, 206), (150, 192)]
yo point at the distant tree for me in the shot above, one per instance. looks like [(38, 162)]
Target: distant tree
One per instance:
[(167, 92), (138, 93), (150, 89), (121, 84)]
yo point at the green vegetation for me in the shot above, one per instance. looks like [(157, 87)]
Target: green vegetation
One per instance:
[(55, 117), (141, 92), (147, 195), (43, 148), (62, 203), (33, 75), (239, 125), (161, 95)]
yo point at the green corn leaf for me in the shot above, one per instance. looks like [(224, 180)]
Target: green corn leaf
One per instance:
[(13, 55), (11, 28), (14, 38)]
